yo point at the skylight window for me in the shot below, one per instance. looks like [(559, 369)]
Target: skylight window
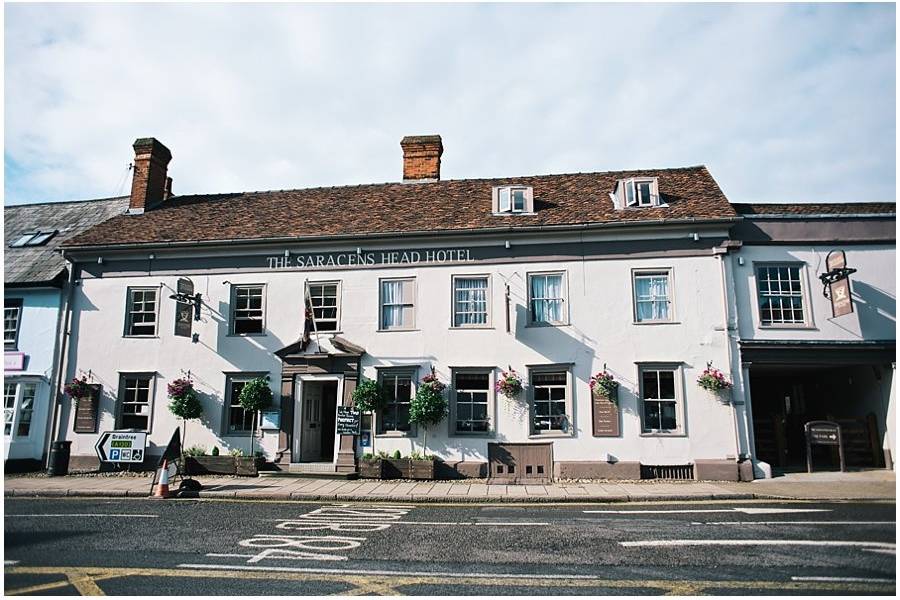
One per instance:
[(513, 199), (34, 238)]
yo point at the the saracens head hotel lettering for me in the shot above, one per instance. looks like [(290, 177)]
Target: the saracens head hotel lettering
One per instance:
[(363, 259)]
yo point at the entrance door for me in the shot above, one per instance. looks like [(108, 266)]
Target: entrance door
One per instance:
[(311, 428)]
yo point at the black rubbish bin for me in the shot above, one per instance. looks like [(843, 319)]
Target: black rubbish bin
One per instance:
[(59, 458)]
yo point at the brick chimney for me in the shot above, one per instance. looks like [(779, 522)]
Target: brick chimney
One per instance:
[(422, 157), (149, 182)]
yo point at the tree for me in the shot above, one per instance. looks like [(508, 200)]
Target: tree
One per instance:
[(428, 407), (185, 404), (255, 396), (368, 397)]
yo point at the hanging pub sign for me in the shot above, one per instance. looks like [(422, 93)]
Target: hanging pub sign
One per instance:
[(837, 283), (187, 304)]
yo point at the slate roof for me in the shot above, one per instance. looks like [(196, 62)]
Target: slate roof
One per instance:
[(44, 265), (398, 208), (804, 209)]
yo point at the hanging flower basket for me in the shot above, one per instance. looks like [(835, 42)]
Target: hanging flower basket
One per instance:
[(713, 379), (604, 385), (78, 389), (509, 384)]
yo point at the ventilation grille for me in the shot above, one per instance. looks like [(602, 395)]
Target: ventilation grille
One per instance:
[(667, 471)]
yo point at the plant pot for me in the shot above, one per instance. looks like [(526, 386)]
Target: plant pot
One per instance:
[(209, 465), (371, 468), (395, 468), (248, 465), (421, 469)]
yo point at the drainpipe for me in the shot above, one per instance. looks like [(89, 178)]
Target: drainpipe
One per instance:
[(62, 340), (720, 254)]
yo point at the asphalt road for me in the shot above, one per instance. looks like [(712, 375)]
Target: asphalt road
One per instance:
[(192, 547)]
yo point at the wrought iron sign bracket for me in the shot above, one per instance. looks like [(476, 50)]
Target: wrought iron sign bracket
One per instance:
[(195, 301), (833, 276)]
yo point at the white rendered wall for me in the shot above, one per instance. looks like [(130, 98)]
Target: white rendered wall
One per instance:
[(601, 331)]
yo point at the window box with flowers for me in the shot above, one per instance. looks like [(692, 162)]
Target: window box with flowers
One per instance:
[(713, 380)]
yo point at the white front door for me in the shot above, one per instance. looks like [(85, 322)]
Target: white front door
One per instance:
[(311, 423)]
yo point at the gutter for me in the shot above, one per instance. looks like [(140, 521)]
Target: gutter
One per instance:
[(407, 235), (801, 217)]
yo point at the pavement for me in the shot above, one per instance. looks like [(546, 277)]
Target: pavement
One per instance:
[(860, 485), (230, 547)]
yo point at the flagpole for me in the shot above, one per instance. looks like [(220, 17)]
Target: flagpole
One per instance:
[(312, 312)]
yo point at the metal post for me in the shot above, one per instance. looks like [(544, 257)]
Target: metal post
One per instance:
[(841, 449)]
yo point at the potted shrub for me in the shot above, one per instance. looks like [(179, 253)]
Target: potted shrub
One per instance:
[(184, 404), (255, 396), (509, 384), (713, 380), (247, 465), (604, 385), (426, 409), (198, 462), (368, 397), (394, 466), (371, 466)]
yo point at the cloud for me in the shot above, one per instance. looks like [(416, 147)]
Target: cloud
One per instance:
[(782, 102)]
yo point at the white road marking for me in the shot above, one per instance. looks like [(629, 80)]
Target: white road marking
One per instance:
[(841, 543), (9, 563), (748, 511), (435, 523), (880, 551), (845, 579), (89, 515), (796, 523), (382, 573)]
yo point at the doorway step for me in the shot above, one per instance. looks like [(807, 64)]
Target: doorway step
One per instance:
[(311, 470)]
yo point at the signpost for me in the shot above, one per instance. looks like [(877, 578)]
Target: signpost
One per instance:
[(122, 446), (348, 420), (823, 433)]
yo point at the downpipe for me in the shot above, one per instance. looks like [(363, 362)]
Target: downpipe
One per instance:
[(62, 344)]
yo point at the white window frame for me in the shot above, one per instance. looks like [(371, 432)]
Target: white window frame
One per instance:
[(129, 305), (123, 390), (502, 200), (491, 401), (405, 302), (410, 372), (678, 383), (230, 401), (670, 298), (631, 195), (565, 299), (232, 320), (805, 303), (488, 299), (338, 294), (12, 304), (570, 429), (12, 415)]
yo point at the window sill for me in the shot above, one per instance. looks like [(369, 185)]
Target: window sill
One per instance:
[(539, 325), (518, 213), (650, 434), (541, 436), (141, 337), (396, 330), (242, 434), (656, 322), (789, 327), (470, 436), (474, 327), (242, 335), (395, 435)]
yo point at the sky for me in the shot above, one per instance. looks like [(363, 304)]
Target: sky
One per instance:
[(783, 102)]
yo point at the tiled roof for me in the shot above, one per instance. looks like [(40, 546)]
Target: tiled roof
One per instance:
[(846, 208), (455, 205), (33, 265)]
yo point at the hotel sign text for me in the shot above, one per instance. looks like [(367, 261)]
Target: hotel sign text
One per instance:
[(385, 258)]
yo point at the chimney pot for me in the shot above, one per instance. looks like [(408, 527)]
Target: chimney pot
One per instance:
[(149, 182), (422, 157)]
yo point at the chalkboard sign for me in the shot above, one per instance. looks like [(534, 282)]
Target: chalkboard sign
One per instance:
[(823, 433), (347, 421), (88, 410)]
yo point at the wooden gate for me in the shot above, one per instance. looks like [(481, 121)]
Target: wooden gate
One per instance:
[(520, 463)]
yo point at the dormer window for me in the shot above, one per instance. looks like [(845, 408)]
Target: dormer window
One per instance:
[(513, 199), (641, 192)]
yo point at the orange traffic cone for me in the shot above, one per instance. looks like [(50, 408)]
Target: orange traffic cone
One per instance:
[(162, 488)]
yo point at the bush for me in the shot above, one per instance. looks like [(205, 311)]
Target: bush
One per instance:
[(195, 451), (215, 451), (367, 456), (396, 455), (428, 407), (368, 396), (256, 395)]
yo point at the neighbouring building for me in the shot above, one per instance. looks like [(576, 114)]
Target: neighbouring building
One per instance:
[(36, 280), (804, 359), (557, 277)]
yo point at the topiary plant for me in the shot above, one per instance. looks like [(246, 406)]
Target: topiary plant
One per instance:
[(428, 407), (368, 397), (185, 404), (255, 396)]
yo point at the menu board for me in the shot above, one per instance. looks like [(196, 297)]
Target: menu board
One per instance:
[(347, 421), (606, 416), (87, 412)]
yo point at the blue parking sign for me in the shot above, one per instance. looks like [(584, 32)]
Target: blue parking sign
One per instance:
[(114, 454)]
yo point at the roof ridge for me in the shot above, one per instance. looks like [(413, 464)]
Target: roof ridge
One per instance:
[(58, 202)]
